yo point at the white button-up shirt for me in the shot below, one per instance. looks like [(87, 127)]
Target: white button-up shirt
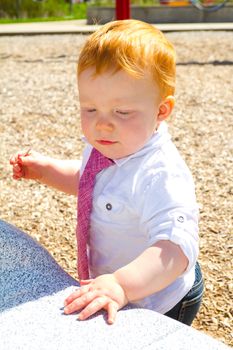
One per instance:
[(144, 198)]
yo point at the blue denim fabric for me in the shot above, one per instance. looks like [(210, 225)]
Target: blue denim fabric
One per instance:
[(186, 310)]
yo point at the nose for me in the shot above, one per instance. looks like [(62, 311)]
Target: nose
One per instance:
[(103, 124)]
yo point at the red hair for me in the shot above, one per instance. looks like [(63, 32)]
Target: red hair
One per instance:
[(135, 47)]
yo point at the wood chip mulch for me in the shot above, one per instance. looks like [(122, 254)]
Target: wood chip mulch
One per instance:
[(39, 109)]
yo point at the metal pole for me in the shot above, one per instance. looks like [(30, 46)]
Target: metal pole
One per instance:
[(122, 9)]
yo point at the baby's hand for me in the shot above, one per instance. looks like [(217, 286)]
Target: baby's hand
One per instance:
[(103, 292), (27, 165)]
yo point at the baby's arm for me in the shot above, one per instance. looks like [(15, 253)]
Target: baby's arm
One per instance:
[(156, 268), (60, 174)]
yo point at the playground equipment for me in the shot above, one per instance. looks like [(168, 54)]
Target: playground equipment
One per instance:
[(32, 292), (209, 5)]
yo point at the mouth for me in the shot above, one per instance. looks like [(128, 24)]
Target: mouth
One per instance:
[(106, 142)]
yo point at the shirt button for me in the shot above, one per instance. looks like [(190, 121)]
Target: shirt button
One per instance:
[(180, 219), (109, 206)]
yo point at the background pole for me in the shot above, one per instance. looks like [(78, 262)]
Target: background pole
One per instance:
[(122, 9)]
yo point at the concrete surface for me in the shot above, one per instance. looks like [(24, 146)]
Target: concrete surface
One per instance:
[(32, 290), (80, 27)]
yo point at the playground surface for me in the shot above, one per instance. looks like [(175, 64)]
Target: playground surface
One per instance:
[(39, 109)]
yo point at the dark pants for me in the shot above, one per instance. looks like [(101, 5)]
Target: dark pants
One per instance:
[(186, 310)]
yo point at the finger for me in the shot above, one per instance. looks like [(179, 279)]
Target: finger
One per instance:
[(13, 159), (96, 305), (22, 159), (112, 309), (78, 293), (17, 176), (72, 297), (17, 171), (80, 303), (17, 168)]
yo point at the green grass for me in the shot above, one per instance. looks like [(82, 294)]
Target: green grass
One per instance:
[(40, 19), (47, 11)]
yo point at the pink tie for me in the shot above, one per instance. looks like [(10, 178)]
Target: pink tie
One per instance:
[(95, 164)]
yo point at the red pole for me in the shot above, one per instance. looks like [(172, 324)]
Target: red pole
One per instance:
[(122, 9)]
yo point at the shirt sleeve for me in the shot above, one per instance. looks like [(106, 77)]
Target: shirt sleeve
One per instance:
[(170, 212)]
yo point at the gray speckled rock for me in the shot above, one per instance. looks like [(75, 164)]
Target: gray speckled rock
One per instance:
[(32, 290), (27, 270)]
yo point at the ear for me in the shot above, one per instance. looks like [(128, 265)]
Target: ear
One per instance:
[(166, 108)]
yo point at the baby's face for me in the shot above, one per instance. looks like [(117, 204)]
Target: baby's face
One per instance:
[(119, 113)]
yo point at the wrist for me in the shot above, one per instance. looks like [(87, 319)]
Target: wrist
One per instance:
[(45, 168), (120, 280)]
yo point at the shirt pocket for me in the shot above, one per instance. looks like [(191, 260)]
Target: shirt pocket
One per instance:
[(112, 209), (115, 216)]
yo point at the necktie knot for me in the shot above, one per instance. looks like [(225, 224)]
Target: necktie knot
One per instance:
[(97, 162)]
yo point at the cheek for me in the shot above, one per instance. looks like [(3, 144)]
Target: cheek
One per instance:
[(139, 127), (133, 132), (85, 124), (139, 132)]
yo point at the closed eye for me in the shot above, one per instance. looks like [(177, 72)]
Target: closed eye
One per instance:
[(88, 110), (123, 114)]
